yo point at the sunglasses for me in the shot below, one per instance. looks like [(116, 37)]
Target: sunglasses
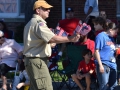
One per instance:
[(2, 37), (45, 9)]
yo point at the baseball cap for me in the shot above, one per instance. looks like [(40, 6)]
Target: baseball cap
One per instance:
[(41, 3), (69, 9)]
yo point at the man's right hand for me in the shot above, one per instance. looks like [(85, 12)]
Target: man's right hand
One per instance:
[(74, 38)]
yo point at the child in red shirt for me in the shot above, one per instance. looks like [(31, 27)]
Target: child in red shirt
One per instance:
[(86, 69)]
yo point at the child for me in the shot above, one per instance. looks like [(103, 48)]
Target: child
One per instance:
[(99, 23), (21, 81), (86, 69)]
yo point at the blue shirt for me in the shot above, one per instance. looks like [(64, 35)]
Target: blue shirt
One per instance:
[(105, 44), (92, 3)]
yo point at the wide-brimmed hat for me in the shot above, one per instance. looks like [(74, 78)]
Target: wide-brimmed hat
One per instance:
[(41, 3)]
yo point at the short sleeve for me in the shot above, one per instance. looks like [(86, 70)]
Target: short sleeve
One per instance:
[(16, 46), (44, 32), (93, 65), (92, 2), (99, 42)]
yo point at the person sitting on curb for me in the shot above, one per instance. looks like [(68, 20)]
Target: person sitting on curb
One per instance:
[(21, 81), (86, 69), (10, 51)]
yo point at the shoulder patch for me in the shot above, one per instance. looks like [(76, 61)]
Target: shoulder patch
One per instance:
[(41, 24)]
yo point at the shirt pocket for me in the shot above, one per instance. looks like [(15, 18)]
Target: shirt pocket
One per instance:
[(41, 83)]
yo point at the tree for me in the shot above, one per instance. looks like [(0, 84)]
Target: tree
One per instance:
[(28, 9)]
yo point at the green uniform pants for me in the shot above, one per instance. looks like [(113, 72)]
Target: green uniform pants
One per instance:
[(38, 72)]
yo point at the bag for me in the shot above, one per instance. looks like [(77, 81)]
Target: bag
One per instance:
[(26, 87)]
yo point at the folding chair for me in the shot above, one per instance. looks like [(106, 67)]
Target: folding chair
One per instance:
[(55, 75), (74, 53), (12, 76), (16, 69), (53, 66)]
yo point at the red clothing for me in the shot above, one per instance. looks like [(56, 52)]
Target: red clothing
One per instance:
[(90, 44), (69, 25), (85, 68), (6, 34), (118, 51)]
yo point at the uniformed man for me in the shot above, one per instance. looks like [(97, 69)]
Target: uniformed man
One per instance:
[(37, 48)]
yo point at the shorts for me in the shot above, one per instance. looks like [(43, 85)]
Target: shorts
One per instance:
[(92, 76), (4, 68), (38, 73)]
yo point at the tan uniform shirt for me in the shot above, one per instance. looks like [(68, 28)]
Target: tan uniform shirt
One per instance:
[(36, 38)]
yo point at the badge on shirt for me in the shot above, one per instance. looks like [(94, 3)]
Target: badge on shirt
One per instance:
[(41, 24)]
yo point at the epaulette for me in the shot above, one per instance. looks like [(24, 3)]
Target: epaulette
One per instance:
[(39, 21)]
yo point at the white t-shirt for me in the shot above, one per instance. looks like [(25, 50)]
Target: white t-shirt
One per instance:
[(93, 3)]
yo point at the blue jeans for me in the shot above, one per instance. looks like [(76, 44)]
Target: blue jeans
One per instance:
[(108, 79), (15, 82)]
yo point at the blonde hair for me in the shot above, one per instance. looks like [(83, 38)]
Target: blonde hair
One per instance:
[(111, 25), (1, 33)]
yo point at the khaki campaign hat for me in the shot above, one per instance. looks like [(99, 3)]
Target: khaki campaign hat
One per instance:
[(41, 3)]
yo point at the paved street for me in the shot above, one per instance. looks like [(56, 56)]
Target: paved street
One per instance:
[(57, 84)]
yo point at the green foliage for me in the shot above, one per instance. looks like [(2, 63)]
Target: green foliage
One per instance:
[(10, 75)]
